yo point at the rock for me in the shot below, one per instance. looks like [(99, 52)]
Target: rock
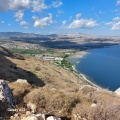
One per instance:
[(93, 105), (118, 91), (53, 118), (1, 118), (30, 118), (41, 116), (11, 117), (77, 117), (28, 113), (32, 107), (6, 97), (22, 81), (35, 117), (16, 115)]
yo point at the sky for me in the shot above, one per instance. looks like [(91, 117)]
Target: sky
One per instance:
[(95, 17)]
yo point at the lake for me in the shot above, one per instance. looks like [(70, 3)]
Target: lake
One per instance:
[(101, 66)]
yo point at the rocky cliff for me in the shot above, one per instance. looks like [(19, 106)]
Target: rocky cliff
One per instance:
[(6, 98)]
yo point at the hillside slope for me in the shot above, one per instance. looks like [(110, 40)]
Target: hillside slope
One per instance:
[(44, 88), (35, 71)]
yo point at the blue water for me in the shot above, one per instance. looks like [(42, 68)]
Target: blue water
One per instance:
[(102, 66)]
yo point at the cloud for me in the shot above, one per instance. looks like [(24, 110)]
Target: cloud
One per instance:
[(38, 5), (116, 19), (2, 22), (35, 5), (19, 15), (118, 2), (78, 15), (43, 22), (80, 23), (9, 24), (109, 23), (64, 22), (24, 24), (19, 4), (115, 23), (56, 4), (4, 5)]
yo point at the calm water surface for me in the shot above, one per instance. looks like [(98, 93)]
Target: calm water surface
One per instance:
[(102, 66)]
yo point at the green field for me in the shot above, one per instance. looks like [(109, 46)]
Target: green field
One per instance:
[(31, 52)]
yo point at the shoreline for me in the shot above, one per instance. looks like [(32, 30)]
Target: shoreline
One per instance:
[(81, 54)]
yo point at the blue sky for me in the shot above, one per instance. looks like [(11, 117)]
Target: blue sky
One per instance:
[(96, 17)]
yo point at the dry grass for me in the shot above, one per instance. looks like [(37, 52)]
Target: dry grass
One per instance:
[(51, 75), (107, 107), (20, 90), (51, 101), (66, 103)]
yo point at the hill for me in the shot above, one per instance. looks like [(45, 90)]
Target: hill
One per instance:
[(42, 88)]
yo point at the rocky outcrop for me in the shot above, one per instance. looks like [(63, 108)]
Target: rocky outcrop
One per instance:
[(35, 117), (6, 98), (40, 117), (53, 118)]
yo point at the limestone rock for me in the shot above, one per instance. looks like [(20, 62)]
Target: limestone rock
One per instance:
[(35, 117), (32, 107), (93, 105), (53, 118), (6, 97), (22, 81)]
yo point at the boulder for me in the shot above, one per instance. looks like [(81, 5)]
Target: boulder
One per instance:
[(35, 117), (53, 118), (22, 81), (32, 107), (6, 98)]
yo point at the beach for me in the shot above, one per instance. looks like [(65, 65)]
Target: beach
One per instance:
[(85, 78)]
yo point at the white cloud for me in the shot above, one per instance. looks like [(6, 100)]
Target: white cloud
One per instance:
[(2, 22), (78, 15), (64, 22), (116, 26), (82, 24), (35, 5), (56, 4), (43, 22), (19, 4), (9, 24), (24, 24), (19, 15), (116, 19), (115, 23), (38, 5), (14, 4), (108, 23), (118, 2)]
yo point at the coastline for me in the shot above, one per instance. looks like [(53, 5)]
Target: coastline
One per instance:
[(81, 54)]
